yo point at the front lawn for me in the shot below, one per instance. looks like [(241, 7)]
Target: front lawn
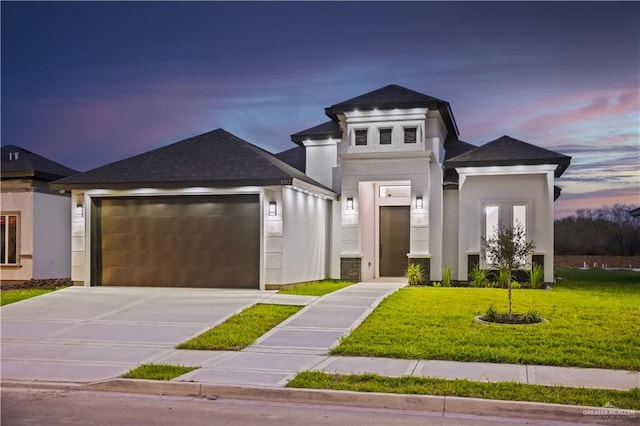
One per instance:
[(158, 371), (12, 296), (593, 321), (241, 330), (316, 288), (464, 388)]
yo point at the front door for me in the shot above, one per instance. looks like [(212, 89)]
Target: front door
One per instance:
[(394, 240)]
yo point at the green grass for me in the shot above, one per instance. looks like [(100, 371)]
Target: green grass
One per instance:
[(464, 388), (593, 321), (158, 371), (316, 288), (12, 296), (241, 330)]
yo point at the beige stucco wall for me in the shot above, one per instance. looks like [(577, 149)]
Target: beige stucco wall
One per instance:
[(534, 189), (450, 232), (306, 237), (44, 242), (20, 203), (52, 236)]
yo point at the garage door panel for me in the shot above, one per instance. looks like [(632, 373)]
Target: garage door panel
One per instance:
[(208, 241)]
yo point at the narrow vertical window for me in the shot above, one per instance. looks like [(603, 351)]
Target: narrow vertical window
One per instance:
[(361, 137), (410, 134), (492, 220), (519, 220), (520, 217), (9, 235), (385, 136)]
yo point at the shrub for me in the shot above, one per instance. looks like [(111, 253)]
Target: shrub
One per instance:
[(536, 276), (415, 274), (503, 279), (491, 314), (478, 277), (515, 285), (532, 317), (446, 277), (437, 284)]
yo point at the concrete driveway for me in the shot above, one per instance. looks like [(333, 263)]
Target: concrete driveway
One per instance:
[(84, 334)]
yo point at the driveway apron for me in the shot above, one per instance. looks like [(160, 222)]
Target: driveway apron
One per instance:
[(86, 334)]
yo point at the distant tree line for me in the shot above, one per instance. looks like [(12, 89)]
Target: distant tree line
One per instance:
[(605, 231)]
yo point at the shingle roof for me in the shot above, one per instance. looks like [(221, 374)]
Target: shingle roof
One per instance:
[(391, 96), (394, 96), (19, 162), (215, 158), (508, 151), (329, 129), (295, 157), (454, 147)]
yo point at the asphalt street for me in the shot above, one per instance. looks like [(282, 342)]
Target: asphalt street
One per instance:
[(56, 407)]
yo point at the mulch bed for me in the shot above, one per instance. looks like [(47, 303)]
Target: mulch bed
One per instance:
[(47, 283)]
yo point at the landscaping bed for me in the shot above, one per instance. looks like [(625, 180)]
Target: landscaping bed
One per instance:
[(592, 320)]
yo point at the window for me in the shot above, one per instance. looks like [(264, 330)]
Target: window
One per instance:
[(385, 136), (9, 235), (503, 214), (410, 134), (361, 137)]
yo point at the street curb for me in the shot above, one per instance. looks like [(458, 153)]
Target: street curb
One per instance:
[(440, 404)]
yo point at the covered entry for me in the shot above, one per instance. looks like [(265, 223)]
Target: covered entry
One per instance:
[(176, 241)]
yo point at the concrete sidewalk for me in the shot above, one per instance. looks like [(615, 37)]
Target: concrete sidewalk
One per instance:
[(298, 344)]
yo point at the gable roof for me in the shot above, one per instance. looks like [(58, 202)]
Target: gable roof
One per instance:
[(328, 129), (295, 157), (508, 151), (18, 162), (215, 158), (394, 96)]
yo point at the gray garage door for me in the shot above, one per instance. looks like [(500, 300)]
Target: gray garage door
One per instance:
[(192, 241)]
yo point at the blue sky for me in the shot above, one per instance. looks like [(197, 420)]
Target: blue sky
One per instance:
[(87, 83)]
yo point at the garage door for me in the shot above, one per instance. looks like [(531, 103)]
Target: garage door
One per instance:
[(193, 241)]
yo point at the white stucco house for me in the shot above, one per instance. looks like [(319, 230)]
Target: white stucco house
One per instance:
[(384, 183), (35, 222)]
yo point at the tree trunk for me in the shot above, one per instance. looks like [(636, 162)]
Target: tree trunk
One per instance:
[(509, 289)]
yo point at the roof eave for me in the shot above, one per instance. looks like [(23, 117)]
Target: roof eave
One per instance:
[(221, 183)]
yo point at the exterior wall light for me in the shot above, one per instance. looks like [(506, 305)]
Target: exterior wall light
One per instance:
[(419, 203), (273, 208), (349, 203), (79, 210)]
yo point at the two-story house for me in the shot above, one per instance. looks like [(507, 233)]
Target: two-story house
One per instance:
[(384, 183)]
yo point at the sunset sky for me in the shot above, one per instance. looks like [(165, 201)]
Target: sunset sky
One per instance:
[(87, 83)]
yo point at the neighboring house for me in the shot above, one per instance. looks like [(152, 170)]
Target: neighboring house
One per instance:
[(635, 212), (35, 223), (384, 183)]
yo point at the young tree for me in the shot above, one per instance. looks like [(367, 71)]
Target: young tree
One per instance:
[(508, 250)]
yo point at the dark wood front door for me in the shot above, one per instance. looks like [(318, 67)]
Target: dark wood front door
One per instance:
[(394, 240)]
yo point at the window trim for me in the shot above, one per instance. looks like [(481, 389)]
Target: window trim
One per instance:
[(6, 215)]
